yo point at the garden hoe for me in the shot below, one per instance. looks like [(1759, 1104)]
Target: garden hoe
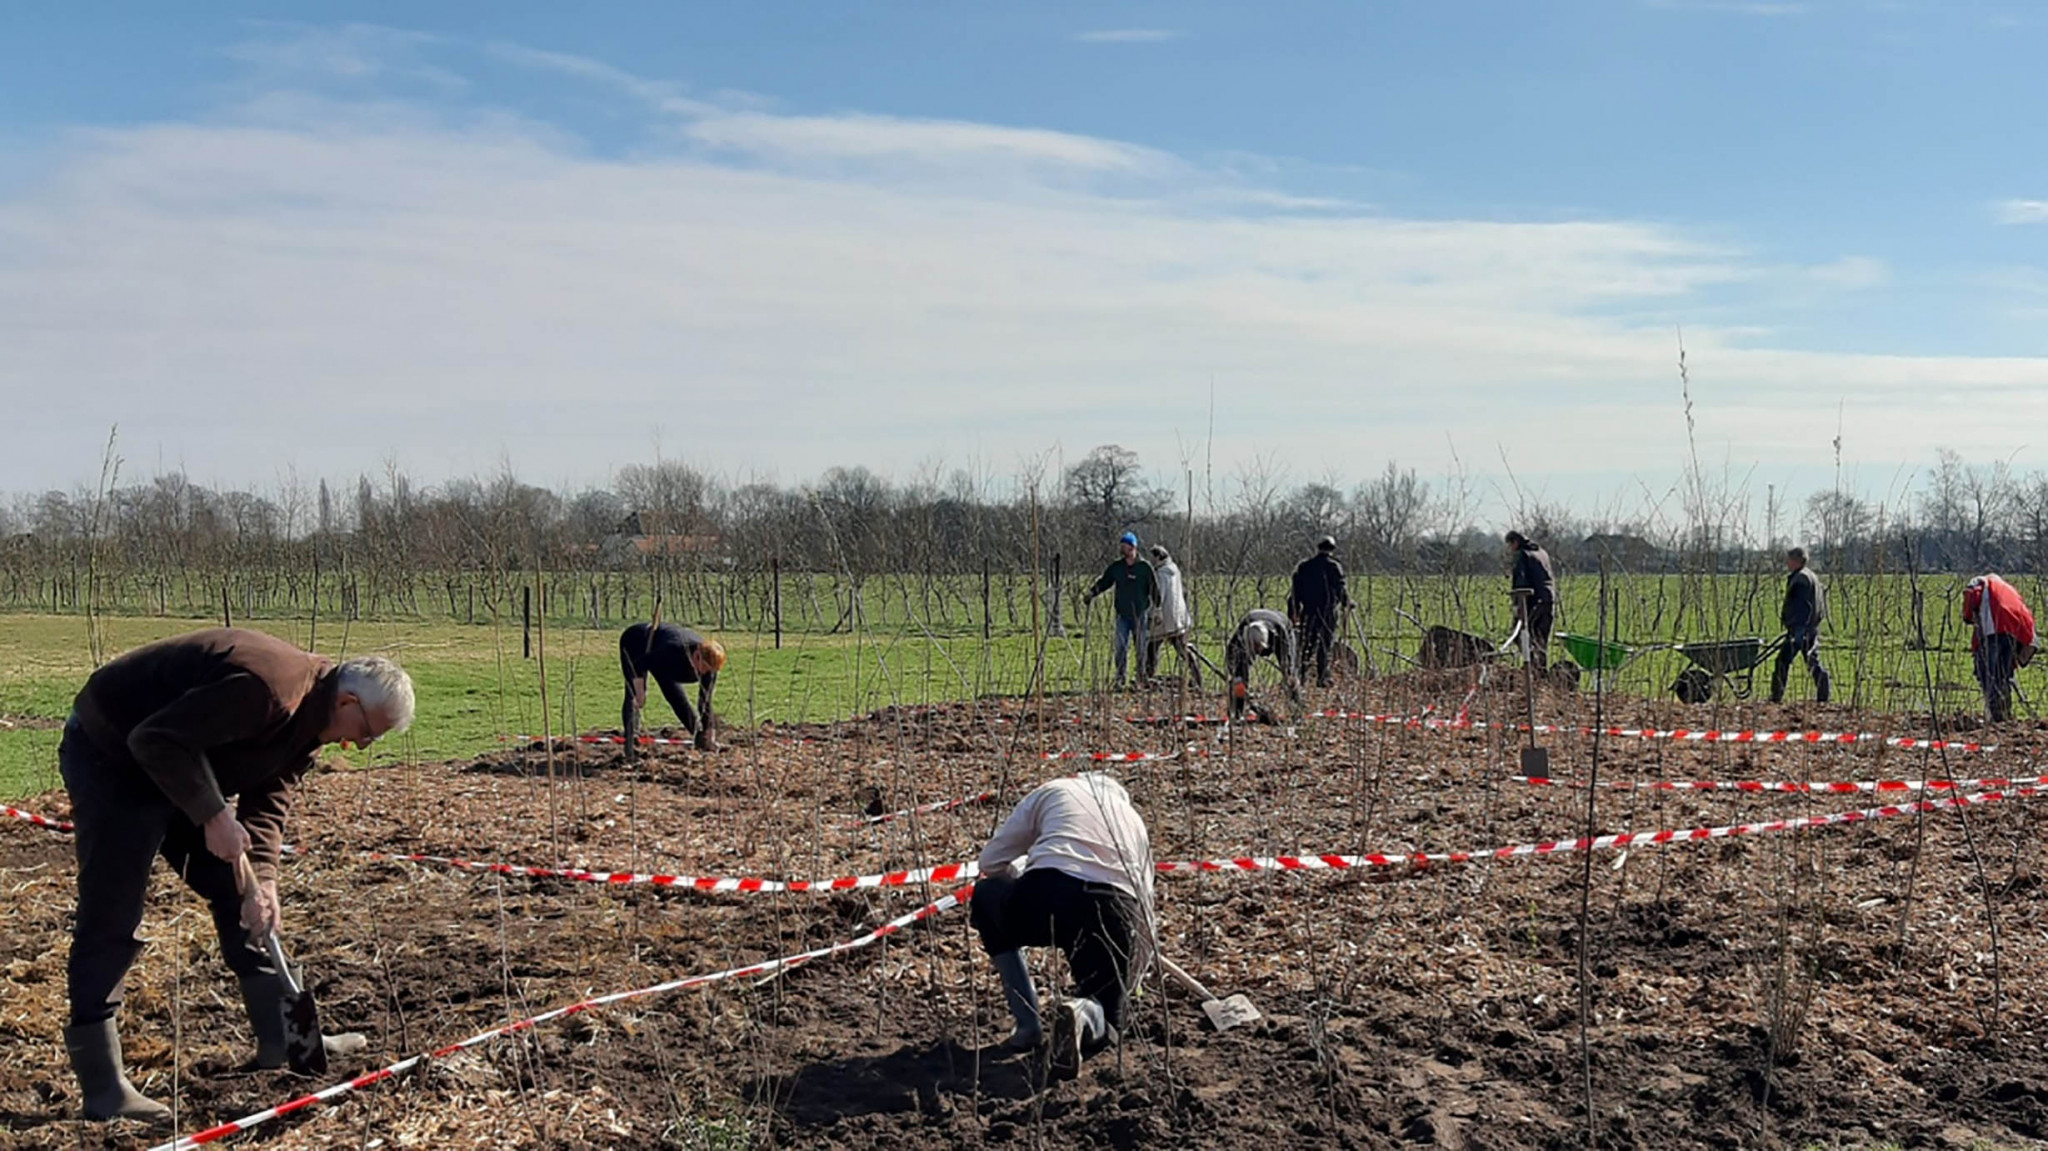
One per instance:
[(1224, 1014), (304, 1048)]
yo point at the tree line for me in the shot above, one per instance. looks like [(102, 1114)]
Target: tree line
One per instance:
[(387, 544)]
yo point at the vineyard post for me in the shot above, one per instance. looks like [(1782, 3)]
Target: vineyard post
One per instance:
[(775, 573), (526, 622)]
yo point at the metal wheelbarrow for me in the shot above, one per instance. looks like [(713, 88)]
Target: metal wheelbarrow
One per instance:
[(1604, 658), (1731, 663)]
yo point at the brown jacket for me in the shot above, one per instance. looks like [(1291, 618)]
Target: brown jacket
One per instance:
[(212, 714)]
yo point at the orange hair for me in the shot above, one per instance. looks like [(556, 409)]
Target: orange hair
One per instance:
[(712, 653)]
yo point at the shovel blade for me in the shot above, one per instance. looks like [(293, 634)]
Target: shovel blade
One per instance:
[(304, 1048), (1235, 1011), (1536, 762)]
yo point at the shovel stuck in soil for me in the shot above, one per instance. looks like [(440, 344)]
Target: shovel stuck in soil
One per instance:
[(304, 1048), (1224, 1014)]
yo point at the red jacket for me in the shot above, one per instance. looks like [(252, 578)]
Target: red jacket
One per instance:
[(2009, 614)]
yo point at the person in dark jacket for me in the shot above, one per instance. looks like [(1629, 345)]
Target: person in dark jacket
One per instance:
[(1317, 597), (674, 656), (1137, 593), (1535, 591), (1262, 632), (1806, 604), (158, 742)]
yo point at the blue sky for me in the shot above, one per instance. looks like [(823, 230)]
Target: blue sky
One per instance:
[(775, 237)]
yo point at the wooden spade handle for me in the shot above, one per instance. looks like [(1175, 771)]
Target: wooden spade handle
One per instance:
[(1183, 978)]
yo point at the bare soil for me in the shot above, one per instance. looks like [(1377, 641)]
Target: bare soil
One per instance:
[(1834, 988)]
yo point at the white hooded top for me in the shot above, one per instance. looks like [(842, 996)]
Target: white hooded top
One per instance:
[(1083, 825), (1172, 616)]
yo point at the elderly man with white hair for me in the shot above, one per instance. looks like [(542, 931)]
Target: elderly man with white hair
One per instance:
[(158, 742), (1261, 632)]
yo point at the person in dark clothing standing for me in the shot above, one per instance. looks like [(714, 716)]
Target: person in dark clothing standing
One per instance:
[(1535, 591), (674, 656), (1806, 604), (1263, 631), (1314, 602), (157, 743), (1137, 593)]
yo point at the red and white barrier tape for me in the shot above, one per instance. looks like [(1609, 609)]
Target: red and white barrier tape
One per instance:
[(248, 1122), (1793, 785), (643, 740), (37, 820), (1688, 735), (1176, 719), (1112, 756), (1596, 843), (945, 873), (921, 809)]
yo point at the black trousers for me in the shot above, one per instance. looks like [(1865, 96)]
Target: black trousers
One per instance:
[(124, 821), (1998, 663), (1542, 617), (1800, 643), (1318, 634), (1095, 924)]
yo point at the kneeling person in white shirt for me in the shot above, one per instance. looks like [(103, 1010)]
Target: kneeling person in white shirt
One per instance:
[(1086, 887)]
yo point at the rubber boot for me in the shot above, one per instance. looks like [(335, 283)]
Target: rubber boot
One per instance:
[(95, 1050), (1078, 1027), (263, 996), (1022, 997)]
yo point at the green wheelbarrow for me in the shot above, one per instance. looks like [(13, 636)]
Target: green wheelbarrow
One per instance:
[(1604, 658)]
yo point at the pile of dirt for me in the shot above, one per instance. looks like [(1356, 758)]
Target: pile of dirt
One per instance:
[(1830, 987)]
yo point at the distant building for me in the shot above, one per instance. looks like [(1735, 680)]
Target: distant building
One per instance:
[(1627, 552)]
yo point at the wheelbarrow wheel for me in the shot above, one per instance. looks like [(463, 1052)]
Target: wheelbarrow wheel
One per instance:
[(1564, 675), (1693, 685)]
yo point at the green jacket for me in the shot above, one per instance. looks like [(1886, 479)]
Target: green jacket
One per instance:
[(1137, 588)]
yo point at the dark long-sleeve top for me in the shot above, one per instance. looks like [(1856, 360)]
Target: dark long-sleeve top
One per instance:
[(1238, 656), (1533, 571), (1318, 589), (1137, 587), (1805, 602), (666, 657), (216, 713)]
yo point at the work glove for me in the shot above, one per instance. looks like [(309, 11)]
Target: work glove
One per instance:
[(226, 838)]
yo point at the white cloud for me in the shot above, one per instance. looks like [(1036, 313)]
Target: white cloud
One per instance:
[(328, 282), (2021, 211), (1128, 35)]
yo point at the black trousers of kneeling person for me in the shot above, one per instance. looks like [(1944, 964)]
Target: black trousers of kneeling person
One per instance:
[(123, 821), (1094, 924)]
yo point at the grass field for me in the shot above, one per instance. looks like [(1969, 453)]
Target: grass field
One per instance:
[(476, 688)]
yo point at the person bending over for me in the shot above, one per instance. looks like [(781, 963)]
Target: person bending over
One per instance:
[(674, 656), (1070, 868)]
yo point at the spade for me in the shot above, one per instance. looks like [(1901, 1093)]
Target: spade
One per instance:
[(304, 1048), (1224, 1014)]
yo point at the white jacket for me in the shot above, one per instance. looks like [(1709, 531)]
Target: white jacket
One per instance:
[(1085, 826), (1171, 617)]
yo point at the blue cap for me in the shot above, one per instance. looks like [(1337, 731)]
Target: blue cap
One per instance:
[(1130, 538)]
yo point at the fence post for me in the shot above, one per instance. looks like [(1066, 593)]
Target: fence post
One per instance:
[(775, 573), (987, 618), (526, 622), (227, 615)]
